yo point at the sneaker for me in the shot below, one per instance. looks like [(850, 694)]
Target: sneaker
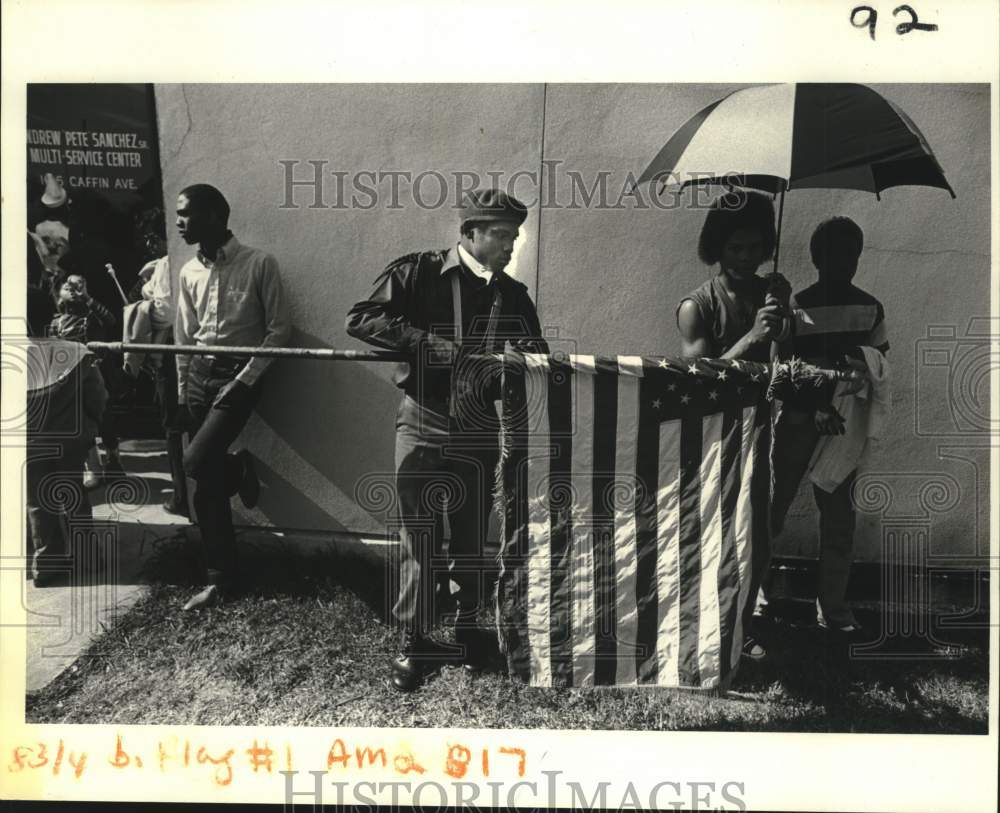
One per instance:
[(249, 489)]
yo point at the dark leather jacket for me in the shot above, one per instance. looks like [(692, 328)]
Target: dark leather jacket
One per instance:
[(412, 304)]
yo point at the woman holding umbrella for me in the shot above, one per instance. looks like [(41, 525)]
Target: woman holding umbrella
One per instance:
[(738, 315)]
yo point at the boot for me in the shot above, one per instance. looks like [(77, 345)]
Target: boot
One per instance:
[(407, 673)]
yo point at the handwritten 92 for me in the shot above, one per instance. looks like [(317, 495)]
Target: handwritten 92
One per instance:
[(866, 16)]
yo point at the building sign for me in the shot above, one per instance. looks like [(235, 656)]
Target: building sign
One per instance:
[(95, 137), (95, 194)]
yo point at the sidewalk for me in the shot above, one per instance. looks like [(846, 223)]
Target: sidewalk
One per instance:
[(142, 543)]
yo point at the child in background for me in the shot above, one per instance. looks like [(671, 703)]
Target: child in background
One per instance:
[(837, 325), (81, 318)]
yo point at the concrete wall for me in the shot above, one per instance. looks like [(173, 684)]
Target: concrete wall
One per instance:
[(608, 280)]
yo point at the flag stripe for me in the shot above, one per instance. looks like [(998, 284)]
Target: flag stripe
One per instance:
[(647, 530), (538, 519), (626, 610), (711, 545), (512, 604), (605, 446), (729, 582), (668, 564), (690, 549), (744, 520), (582, 560), (561, 500)]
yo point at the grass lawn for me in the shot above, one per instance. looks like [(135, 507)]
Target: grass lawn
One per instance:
[(310, 651)]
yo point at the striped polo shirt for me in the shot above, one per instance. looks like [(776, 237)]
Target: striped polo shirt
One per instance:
[(830, 324)]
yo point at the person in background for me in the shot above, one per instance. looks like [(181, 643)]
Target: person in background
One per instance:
[(66, 398), (837, 325), (737, 314), (229, 294), (440, 305), (81, 318), (153, 289), (40, 304)]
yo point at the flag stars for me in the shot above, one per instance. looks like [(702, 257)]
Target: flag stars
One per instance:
[(663, 364), (736, 364), (713, 396), (656, 403), (722, 375), (671, 387), (685, 399), (693, 368)]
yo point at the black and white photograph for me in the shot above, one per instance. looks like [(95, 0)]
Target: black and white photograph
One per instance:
[(621, 409)]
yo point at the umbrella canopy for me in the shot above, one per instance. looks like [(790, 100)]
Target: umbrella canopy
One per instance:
[(782, 137)]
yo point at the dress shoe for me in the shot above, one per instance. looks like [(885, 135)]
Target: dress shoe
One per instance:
[(407, 672), (249, 489), (209, 597)]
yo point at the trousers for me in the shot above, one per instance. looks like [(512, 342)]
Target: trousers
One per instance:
[(217, 474), (796, 437), (55, 499), (166, 396), (442, 475), (760, 535)]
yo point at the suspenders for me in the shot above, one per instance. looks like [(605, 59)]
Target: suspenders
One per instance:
[(488, 338)]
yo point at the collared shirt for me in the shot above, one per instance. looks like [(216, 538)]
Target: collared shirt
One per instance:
[(473, 264), (235, 300), (157, 290), (412, 301)]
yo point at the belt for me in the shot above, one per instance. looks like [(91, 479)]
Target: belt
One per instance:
[(220, 365)]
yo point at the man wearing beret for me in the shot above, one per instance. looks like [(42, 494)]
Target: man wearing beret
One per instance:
[(447, 308)]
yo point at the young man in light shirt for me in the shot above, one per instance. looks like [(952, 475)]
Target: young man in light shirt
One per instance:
[(229, 294)]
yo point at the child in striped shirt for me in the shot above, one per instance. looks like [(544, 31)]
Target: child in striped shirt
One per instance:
[(834, 319)]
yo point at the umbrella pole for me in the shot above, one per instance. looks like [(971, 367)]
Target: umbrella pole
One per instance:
[(777, 237)]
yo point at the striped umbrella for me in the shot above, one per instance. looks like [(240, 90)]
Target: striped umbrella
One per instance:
[(781, 137)]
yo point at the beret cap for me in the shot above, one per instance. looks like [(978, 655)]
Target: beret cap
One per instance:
[(492, 204)]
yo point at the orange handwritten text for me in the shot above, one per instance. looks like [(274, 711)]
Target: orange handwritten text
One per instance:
[(224, 769), (26, 757), (123, 759)]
